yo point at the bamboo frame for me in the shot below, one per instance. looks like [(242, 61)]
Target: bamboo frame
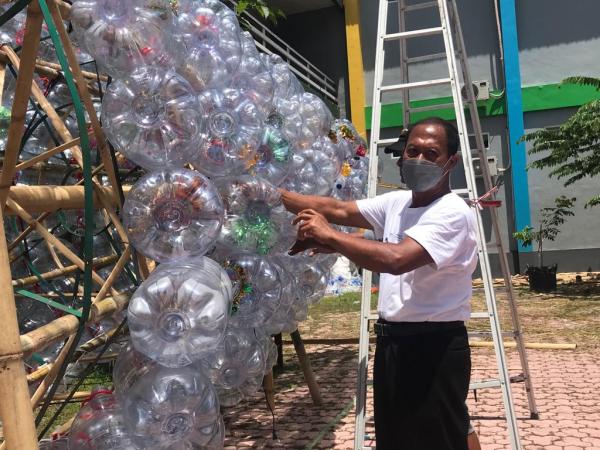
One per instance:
[(37, 199), (64, 326), (33, 204), (98, 263), (15, 405)]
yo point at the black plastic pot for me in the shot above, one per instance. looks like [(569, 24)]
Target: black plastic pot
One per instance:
[(542, 279)]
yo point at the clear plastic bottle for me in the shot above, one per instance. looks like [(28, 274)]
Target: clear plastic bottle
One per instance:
[(314, 169), (286, 83), (167, 407), (303, 118), (180, 312), (255, 219), (122, 36), (153, 117), (238, 358), (257, 288), (210, 33), (252, 77), (352, 182), (54, 444), (173, 214), (274, 156), (100, 425), (234, 132)]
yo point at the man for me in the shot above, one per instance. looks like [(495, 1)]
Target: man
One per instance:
[(426, 258)]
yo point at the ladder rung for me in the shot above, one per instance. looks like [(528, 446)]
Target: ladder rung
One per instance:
[(382, 142), (461, 191), (416, 84), (485, 384), (425, 58), (373, 316), (480, 315), (420, 6), (481, 334), (432, 107), (412, 34)]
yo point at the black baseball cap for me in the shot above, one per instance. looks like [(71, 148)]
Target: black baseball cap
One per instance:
[(397, 148)]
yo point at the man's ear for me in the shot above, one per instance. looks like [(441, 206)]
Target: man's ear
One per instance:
[(453, 161)]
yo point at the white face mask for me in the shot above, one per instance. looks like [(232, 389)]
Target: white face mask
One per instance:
[(421, 175)]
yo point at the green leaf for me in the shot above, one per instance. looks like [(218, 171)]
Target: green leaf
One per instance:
[(584, 81), (241, 7)]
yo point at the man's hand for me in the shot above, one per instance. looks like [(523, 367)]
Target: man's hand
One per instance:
[(309, 244), (313, 226)]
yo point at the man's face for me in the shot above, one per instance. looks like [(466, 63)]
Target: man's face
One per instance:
[(427, 141)]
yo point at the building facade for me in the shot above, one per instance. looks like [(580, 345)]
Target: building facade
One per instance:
[(521, 50)]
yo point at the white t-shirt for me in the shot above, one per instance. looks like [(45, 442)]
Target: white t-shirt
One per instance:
[(446, 228)]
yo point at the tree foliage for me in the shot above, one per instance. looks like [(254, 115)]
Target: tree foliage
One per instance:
[(571, 151), (261, 7), (551, 219)]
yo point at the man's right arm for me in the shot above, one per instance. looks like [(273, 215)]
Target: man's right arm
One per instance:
[(335, 211)]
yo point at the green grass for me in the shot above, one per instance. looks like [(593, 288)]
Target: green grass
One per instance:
[(569, 315), (100, 376)]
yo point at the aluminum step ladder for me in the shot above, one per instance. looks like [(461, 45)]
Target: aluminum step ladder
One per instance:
[(458, 74)]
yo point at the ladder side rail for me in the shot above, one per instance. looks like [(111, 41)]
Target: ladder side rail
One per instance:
[(404, 65), (363, 350), (482, 250), (476, 123)]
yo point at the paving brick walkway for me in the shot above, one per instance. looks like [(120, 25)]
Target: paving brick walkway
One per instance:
[(567, 386)]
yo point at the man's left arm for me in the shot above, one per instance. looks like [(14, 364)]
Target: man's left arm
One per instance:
[(376, 256)]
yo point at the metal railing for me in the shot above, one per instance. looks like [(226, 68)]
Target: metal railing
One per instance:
[(268, 42)]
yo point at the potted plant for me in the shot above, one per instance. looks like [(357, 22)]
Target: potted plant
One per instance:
[(543, 278)]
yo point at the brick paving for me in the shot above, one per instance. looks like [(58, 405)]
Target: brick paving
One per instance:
[(566, 384)]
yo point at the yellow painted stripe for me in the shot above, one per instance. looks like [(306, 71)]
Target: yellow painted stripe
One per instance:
[(355, 66)]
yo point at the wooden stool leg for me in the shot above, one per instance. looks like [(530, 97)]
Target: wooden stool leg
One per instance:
[(269, 390), (279, 344), (309, 376)]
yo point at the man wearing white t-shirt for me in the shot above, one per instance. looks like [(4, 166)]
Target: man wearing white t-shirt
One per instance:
[(426, 257)]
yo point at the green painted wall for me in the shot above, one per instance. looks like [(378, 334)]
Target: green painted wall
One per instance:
[(535, 98)]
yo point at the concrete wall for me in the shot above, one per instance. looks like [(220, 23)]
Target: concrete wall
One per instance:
[(320, 36), (581, 231), (481, 41), (558, 39)]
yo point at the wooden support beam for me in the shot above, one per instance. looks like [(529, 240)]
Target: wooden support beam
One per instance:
[(309, 376), (31, 42), (47, 154), (15, 405), (33, 279), (38, 199), (64, 326), (84, 93), (54, 241)]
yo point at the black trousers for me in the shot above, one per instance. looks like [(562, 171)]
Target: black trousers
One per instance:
[(420, 387)]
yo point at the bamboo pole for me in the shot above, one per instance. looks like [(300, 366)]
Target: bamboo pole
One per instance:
[(49, 198), (47, 154), (2, 78), (52, 373), (54, 241), (113, 274), (85, 97), (84, 348), (98, 263), (56, 121), (43, 216), (268, 387), (33, 27), (309, 376), (66, 325), (532, 345), (15, 407)]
